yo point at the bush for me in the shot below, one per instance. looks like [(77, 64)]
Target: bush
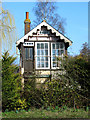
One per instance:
[(11, 82)]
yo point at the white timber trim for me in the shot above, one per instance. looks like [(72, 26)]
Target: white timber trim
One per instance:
[(48, 27)]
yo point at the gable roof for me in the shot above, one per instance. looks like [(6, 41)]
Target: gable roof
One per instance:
[(49, 27)]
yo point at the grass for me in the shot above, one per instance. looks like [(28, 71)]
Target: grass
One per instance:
[(43, 113)]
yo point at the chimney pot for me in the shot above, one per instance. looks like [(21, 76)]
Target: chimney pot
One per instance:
[(27, 15), (27, 23)]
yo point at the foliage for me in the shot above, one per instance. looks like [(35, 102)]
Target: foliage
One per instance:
[(42, 113), (77, 80), (32, 94), (11, 82), (20, 104), (69, 87), (85, 51), (45, 10), (83, 61), (71, 84), (7, 28)]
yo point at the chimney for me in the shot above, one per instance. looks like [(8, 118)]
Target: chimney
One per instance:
[(27, 23)]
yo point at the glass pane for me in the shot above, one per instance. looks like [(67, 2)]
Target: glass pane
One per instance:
[(42, 64), (46, 45), (26, 53), (53, 46), (46, 58), (42, 52), (54, 64), (61, 45), (42, 45), (57, 46), (46, 64), (38, 64), (62, 51), (46, 52), (38, 58), (38, 52), (53, 52), (31, 53), (42, 58), (54, 59), (57, 52), (38, 45)]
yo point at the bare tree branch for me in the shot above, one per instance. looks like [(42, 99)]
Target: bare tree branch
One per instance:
[(46, 10)]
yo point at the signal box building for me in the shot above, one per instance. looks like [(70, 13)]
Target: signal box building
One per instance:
[(39, 49)]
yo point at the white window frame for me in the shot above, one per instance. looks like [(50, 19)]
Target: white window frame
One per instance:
[(41, 56), (28, 44), (56, 55)]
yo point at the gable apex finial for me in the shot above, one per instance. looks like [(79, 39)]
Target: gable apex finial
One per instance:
[(44, 20)]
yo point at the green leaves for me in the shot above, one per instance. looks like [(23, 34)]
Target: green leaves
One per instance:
[(11, 85)]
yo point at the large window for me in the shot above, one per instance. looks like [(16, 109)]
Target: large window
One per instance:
[(29, 53), (57, 50), (42, 55)]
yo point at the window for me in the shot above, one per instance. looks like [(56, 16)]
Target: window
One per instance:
[(29, 53), (28, 44), (42, 55), (57, 50)]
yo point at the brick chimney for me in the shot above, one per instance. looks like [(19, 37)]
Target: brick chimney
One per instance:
[(27, 23)]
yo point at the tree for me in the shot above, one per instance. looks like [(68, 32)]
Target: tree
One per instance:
[(45, 10), (76, 79), (85, 51), (11, 82), (7, 30)]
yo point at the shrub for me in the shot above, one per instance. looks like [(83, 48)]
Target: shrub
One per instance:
[(11, 82)]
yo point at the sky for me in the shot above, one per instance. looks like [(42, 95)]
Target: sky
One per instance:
[(75, 14)]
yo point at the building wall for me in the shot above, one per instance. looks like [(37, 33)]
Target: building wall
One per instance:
[(29, 66)]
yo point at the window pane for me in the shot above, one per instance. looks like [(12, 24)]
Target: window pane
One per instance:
[(53, 52), (46, 64), (46, 45), (46, 58), (31, 53), (46, 52), (57, 52), (26, 53), (54, 64), (38, 52), (38, 45), (42, 64), (42, 58), (62, 51), (54, 59), (57, 46), (61, 45), (38, 58), (42, 52), (38, 64), (42, 46), (53, 46)]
